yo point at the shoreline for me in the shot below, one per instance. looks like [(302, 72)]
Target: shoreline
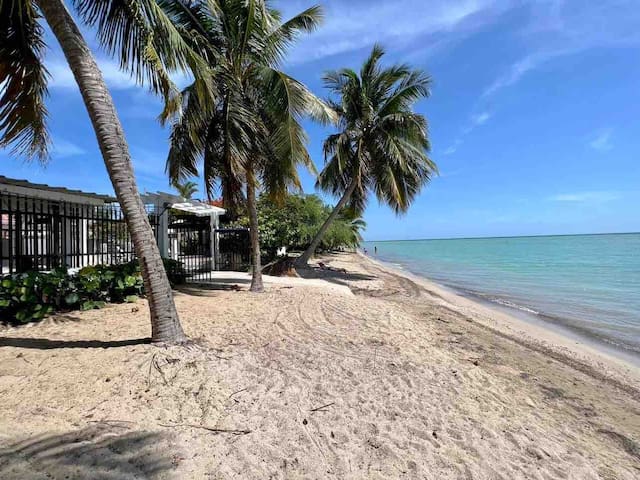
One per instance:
[(531, 331), (385, 377)]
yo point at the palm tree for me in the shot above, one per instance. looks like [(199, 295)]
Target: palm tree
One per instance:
[(356, 225), (187, 189), (253, 134), (382, 146), (146, 44)]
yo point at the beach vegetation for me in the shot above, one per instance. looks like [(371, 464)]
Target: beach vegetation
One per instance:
[(32, 296), (249, 139), (292, 223), (382, 145), (146, 40)]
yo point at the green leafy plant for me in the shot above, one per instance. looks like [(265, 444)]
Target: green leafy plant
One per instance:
[(293, 222), (32, 296)]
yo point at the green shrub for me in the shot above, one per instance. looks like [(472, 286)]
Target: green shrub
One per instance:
[(28, 297), (175, 271)]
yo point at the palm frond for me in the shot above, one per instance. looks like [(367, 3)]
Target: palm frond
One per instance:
[(284, 35), (149, 42), (23, 81)]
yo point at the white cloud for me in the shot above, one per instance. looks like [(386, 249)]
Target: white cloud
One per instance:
[(602, 141), (481, 118), (116, 79), (566, 27), (355, 24), (516, 71), (62, 148), (62, 77), (586, 197), (451, 150), (475, 121)]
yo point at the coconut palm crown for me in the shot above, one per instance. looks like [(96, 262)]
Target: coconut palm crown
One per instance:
[(382, 146), (252, 135)]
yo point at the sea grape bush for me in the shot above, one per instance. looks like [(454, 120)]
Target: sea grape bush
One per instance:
[(31, 296)]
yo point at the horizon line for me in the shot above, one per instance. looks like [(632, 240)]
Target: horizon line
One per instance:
[(505, 236)]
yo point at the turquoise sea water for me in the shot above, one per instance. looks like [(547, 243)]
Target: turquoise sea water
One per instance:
[(589, 284)]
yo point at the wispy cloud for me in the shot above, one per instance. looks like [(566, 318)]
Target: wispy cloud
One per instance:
[(565, 27), (480, 119), (476, 120), (453, 148), (149, 164), (116, 79), (586, 197), (518, 70), (602, 140), (62, 77), (62, 148), (354, 24)]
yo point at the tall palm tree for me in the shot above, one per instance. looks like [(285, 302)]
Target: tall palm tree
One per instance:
[(187, 189), (253, 135), (382, 146), (148, 46)]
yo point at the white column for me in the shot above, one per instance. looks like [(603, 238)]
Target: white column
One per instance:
[(163, 232)]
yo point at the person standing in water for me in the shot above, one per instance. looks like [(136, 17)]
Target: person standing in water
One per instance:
[(375, 249)]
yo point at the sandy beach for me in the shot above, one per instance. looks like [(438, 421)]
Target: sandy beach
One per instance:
[(391, 377)]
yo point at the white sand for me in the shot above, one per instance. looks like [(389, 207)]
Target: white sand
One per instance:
[(418, 385)]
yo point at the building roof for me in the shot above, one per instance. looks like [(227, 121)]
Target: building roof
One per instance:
[(24, 187), (195, 207), (198, 208), (46, 188)]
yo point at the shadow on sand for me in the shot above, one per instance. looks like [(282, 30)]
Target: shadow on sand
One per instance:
[(338, 277), (208, 289), (45, 344), (102, 452)]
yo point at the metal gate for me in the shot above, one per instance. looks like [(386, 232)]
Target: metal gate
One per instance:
[(191, 244), (233, 249), (201, 249)]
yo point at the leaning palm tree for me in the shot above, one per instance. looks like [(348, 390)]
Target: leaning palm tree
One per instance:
[(382, 146), (149, 47), (187, 189), (252, 136)]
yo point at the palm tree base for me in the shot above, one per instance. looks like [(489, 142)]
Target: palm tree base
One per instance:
[(256, 286)]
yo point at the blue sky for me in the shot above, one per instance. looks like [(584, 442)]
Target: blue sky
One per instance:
[(533, 115)]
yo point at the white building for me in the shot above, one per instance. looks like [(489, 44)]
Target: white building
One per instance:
[(44, 227)]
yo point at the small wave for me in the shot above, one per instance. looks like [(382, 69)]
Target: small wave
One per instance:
[(509, 304)]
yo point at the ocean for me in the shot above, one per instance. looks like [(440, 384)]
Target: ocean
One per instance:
[(585, 284)]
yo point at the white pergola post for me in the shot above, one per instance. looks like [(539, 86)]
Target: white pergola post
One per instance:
[(163, 232)]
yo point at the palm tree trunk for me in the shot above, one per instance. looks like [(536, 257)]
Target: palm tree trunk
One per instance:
[(303, 260), (165, 324), (256, 267)]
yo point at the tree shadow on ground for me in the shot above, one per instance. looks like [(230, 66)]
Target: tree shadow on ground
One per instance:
[(46, 344), (102, 451), (209, 289), (332, 275)]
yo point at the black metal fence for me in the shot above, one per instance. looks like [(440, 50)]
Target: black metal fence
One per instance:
[(39, 234), (42, 234)]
